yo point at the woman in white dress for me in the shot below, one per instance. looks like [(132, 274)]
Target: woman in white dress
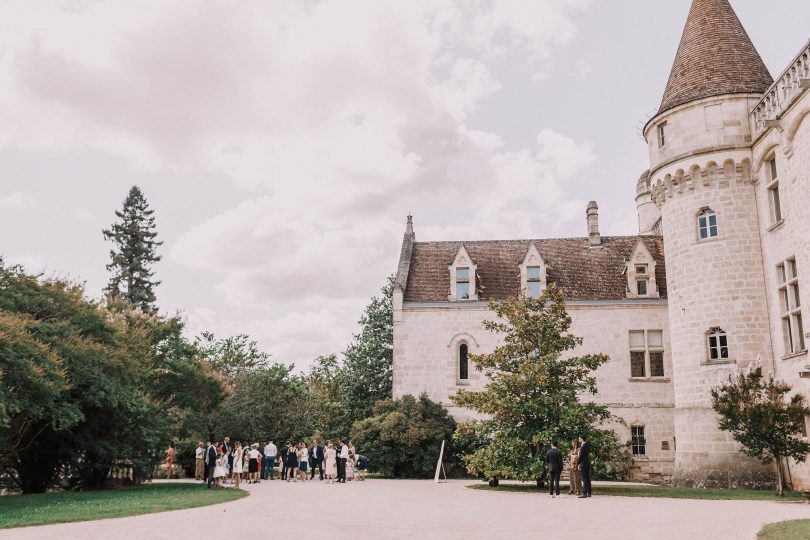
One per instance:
[(219, 470), (350, 466), (237, 462), (331, 463)]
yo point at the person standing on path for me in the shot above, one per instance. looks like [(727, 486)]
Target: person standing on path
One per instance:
[(331, 463), (316, 458), (292, 461), (211, 462), (284, 451), (584, 462), (238, 458), (343, 456), (269, 465), (574, 481), (554, 461), (169, 461), (199, 455), (227, 452)]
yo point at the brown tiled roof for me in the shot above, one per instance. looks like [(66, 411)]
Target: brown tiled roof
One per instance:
[(584, 272), (715, 57)]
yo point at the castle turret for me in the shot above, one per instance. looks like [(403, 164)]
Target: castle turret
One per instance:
[(649, 215), (700, 179)]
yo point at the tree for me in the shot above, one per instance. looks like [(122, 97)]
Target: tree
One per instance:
[(532, 397), (760, 416), (368, 362), (133, 253), (324, 382), (232, 355), (403, 436)]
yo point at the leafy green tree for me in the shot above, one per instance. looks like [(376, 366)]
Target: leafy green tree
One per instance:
[(134, 251), (90, 386), (763, 419), (366, 371), (402, 437), (233, 355), (324, 382), (533, 394)]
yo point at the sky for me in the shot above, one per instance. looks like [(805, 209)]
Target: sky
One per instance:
[(282, 144)]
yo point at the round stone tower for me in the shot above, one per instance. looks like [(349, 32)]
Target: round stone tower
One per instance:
[(649, 215), (700, 179)]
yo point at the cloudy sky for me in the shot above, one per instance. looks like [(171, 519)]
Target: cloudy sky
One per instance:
[(282, 144)]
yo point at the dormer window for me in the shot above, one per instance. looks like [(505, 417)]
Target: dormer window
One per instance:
[(640, 271), (533, 281), (532, 273), (707, 224), (463, 279), (462, 283)]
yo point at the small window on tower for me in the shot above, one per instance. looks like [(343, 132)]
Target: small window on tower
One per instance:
[(773, 191), (662, 134), (707, 224), (718, 344)]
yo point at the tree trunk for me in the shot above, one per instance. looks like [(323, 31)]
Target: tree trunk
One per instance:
[(779, 477)]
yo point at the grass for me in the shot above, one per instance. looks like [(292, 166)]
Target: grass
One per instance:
[(662, 492), (798, 529), (62, 507)]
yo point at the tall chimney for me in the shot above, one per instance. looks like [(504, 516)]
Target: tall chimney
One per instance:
[(592, 214)]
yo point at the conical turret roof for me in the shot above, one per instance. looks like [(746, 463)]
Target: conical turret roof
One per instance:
[(715, 57)]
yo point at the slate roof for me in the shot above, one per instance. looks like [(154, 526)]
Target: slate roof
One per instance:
[(584, 272), (715, 57)]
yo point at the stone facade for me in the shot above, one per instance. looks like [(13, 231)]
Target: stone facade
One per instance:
[(727, 217)]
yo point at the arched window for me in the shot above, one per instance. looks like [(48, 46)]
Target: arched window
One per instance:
[(718, 344), (707, 224), (463, 363)]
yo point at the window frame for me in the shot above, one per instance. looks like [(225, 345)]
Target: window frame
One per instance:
[(790, 307), (538, 280), (464, 281), (648, 350), (662, 135), (638, 441), (772, 189), (707, 214), (463, 362), (717, 334)]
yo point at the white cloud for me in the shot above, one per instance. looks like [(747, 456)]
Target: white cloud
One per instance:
[(17, 201), (33, 263), (339, 116)]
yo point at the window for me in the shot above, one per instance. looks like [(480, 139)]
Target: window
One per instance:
[(773, 191), (707, 224), (718, 344), (662, 134), (790, 307), (533, 281), (646, 353), (463, 363), (641, 269), (637, 441), (641, 284), (462, 283)]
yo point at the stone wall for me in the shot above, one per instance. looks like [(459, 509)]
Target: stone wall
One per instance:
[(789, 143), (426, 340)]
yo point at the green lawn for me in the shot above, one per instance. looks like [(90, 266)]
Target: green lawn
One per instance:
[(798, 529), (661, 491), (41, 509)]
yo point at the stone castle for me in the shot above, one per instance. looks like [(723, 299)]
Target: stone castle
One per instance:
[(709, 286)]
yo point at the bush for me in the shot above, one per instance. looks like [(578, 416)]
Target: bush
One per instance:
[(403, 437)]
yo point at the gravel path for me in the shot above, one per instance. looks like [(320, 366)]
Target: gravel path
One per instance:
[(395, 509)]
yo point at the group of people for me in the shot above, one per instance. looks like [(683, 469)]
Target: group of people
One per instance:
[(579, 468), (221, 462)]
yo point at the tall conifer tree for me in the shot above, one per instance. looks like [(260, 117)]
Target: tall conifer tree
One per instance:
[(134, 251)]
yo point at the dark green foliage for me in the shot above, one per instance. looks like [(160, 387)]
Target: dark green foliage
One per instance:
[(533, 394), (763, 419), (88, 386), (133, 253), (402, 437)]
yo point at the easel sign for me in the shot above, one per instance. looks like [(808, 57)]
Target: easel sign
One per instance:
[(440, 466)]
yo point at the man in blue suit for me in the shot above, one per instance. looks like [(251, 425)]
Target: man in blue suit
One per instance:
[(554, 461), (316, 459), (210, 462)]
